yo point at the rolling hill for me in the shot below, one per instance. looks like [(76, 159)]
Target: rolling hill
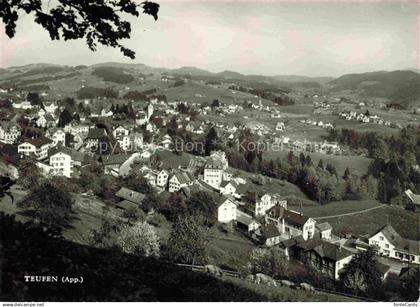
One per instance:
[(401, 86)]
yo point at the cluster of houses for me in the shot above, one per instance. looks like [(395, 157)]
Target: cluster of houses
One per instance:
[(316, 123), (64, 151), (268, 220), (367, 118)]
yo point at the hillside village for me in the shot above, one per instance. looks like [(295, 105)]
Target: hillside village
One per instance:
[(146, 138)]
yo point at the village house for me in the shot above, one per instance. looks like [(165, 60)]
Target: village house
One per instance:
[(246, 222), (270, 234), (24, 105), (162, 178), (226, 212), (325, 257), (324, 230), (112, 163), (38, 147), (57, 136), (46, 121), (213, 172), (390, 244), (136, 141), (179, 180), (121, 134), (9, 132), (290, 223), (228, 188), (94, 137), (129, 198), (63, 161)]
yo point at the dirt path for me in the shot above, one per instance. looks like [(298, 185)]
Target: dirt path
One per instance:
[(350, 213)]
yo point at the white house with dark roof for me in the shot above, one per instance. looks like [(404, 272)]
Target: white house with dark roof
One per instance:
[(179, 180), (228, 188), (390, 244), (246, 221), (59, 136), (324, 230), (162, 178), (38, 147), (226, 212), (121, 134), (290, 223), (9, 132), (213, 172)]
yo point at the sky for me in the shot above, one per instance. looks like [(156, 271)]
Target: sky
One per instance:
[(313, 38)]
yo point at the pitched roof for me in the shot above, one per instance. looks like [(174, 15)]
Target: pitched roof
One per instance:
[(324, 226), (96, 133), (38, 142), (331, 251), (243, 218), (115, 159), (75, 155), (184, 177), (7, 124), (130, 195), (214, 164), (269, 231)]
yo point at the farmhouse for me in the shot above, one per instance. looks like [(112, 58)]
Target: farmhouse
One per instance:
[(179, 180), (246, 222), (270, 235), (226, 212), (325, 257), (391, 244), (129, 198), (290, 223)]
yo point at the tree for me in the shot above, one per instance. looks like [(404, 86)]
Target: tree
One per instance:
[(320, 164), (98, 21), (211, 141), (346, 174), (29, 174), (5, 185), (268, 261), (215, 103), (187, 241), (49, 206), (64, 118), (202, 203), (140, 239), (33, 98), (361, 273)]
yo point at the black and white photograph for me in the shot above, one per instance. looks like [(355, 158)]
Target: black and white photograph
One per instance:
[(219, 151)]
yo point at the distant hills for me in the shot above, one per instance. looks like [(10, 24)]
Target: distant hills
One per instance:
[(401, 87)]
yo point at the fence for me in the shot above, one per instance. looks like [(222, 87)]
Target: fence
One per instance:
[(236, 274)]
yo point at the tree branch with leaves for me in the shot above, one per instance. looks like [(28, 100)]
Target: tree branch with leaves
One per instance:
[(97, 21)]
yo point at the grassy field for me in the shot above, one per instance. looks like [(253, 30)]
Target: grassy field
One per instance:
[(229, 250), (406, 223), (357, 164), (279, 293)]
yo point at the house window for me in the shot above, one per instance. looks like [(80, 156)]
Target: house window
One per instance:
[(387, 245), (381, 238)]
